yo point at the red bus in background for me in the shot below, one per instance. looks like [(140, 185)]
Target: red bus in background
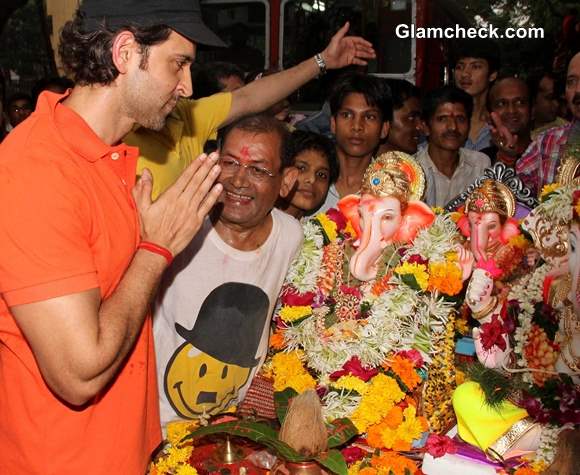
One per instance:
[(276, 34)]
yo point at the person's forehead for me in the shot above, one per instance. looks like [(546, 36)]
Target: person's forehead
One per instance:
[(509, 88), (574, 67), (357, 100), (467, 60), (262, 146), (313, 157), (450, 108)]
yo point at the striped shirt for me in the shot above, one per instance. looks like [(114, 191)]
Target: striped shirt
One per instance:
[(539, 163)]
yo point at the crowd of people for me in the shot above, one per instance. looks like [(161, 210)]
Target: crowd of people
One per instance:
[(149, 220)]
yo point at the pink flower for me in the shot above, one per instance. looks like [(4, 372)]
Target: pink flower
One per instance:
[(414, 356), (295, 299), (354, 367), (439, 445), (352, 454), (491, 267), (337, 217)]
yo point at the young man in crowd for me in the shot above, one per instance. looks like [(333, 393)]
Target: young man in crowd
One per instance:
[(167, 152), (540, 162), (544, 97), (362, 111), (449, 168), (18, 107), (405, 131), (211, 333), (80, 257), (509, 108), (476, 67)]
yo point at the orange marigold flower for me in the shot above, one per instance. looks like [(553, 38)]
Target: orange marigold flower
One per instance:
[(525, 471), (394, 418), (446, 277), (277, 341), (405, 370), (392, 461), (367, 471), (381, 285)]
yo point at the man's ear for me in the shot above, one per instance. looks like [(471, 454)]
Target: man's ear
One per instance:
[(423, 127), (124, 46), (493, 76), (333, 125), (289, 177), (385, 129)]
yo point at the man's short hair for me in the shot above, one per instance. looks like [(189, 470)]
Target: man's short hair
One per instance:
[(86, 54), (264, 123), (401, 90), (444, 95), (478, 48), (495, 83), (374, 89), (206, 77), (302, 141)]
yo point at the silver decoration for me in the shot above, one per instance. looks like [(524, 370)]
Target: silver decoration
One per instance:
[(504, 174)]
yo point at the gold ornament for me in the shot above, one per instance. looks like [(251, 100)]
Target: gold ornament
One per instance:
[(491, 197), (394, 174)]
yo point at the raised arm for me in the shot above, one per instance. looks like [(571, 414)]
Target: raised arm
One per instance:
[(80, 341), (341, 51)]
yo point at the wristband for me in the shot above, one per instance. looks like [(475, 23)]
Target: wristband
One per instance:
[(321, 63), (156, 249)]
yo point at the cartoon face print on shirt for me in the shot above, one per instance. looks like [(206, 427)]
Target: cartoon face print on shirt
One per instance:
[(205, 373)]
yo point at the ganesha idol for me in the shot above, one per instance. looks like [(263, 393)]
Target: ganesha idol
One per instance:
[(387, 210), (489, 225)]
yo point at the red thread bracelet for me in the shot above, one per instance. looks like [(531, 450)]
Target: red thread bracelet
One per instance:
[(157, 249)]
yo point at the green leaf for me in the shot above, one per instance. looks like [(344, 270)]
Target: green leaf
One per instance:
[(259, 433), (409, 279), (340, 431), (333, 461), (282, 401)]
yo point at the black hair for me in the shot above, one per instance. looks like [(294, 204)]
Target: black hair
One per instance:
[(19, 96), (478, 48), (206, 78), (87, 55), (302, 141), (401, 90), (500, 79), (534, 83), (263, 123), (374, 89), (56, 82), (444, 95)]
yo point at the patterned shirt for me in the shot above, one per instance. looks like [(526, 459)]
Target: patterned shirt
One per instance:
[(539, 163)]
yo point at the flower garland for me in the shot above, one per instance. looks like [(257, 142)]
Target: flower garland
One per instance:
[(174, 459), (366, 346)]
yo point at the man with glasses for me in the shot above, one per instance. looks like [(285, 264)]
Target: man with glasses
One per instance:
[(212, 323)]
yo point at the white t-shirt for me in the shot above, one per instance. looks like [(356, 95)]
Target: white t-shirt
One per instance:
[(211, 324)]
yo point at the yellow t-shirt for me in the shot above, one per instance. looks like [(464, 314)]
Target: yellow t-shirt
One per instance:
[(168, 152)]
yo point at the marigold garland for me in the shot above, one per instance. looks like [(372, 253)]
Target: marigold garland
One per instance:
[(405, 370), (289, 372), (294, 313), (445, 277), (419, 271)]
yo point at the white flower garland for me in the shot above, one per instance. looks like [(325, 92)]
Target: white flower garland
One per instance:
[(304, 270), (528, 291)]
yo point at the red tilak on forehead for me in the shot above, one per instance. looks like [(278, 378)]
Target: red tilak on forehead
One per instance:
[(245, 151)]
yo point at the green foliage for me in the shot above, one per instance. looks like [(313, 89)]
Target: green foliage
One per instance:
[(340, 431), (282, 402), (495, 386), (265, 435)]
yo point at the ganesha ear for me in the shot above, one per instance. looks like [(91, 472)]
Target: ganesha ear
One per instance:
[(417, 216), (348, 206), (509, 230), (463, 225)]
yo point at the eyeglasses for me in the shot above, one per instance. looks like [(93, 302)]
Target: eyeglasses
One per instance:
[(230, 166)]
